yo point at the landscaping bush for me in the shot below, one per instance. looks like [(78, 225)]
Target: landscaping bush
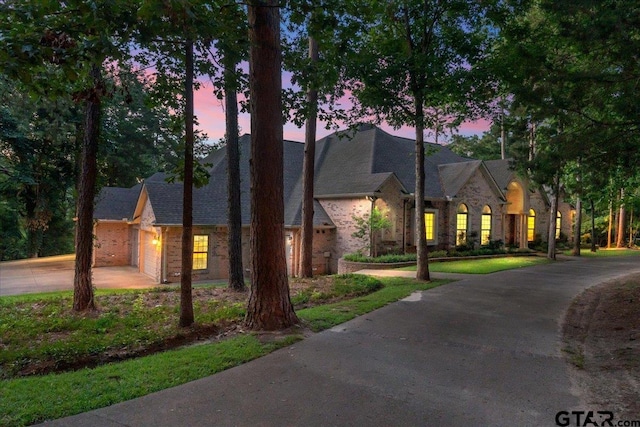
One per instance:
[(389, 258), (437, 254), (355, 284)]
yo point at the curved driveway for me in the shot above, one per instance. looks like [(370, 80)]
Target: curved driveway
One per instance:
[(483, 351)]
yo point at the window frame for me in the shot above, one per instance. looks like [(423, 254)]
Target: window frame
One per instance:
[(531, 226), (483, 230), (433, 212), (558, 224), (462, 211), (198, 251)]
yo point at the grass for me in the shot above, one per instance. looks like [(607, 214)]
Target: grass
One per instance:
[(28, 400), (326, 316), (482, 266), (606, 252), (31, 400)]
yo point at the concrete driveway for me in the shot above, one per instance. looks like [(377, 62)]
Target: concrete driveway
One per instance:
[(56, 274), (483, 351)]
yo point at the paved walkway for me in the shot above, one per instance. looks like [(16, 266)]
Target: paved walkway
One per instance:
[(482, 351)]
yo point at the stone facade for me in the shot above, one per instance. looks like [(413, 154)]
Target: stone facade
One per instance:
[(475, 195)]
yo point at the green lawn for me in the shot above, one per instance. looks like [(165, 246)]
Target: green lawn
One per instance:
[(34, 399), (482, 266), (606, 252)]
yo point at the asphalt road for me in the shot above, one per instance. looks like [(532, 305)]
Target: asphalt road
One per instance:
[(483, 351), (56, 274)]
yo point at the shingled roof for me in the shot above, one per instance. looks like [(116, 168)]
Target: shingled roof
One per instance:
[(501, 171), (348, 164), (116, 204), (358, 162)]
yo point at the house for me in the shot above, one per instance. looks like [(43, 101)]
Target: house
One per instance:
[(465, 199)]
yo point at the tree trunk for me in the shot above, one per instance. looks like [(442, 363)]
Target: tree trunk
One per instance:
[(234, 208), (551, 252), (593, 226), (630, 244), (422, 251), (503, 138), (610, 226), (269, 305), (186, 300), (82, 283), (621, 229), (308, 166), (578, 228), (308, 172)]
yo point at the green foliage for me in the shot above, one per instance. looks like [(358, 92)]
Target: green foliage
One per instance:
[(389, 258), (356, 284), (345, 285), (367, 227), (25, 401), (31, 327)]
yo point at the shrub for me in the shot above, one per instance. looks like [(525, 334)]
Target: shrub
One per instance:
[(389, 258), (437, 254), (356, 284)]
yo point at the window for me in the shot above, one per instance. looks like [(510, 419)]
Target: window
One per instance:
[(200, 251), (531, 226), (485, 226), (558, 224), (431, 226), (461, 224)]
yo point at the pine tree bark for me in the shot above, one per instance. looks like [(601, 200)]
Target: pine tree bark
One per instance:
[(83, 298), (621, 229), (578, 228), (234, 208), (593, 226), (610, 226), (308, 166), (553, 215), (186, 299), (269, 305), (422, 250)]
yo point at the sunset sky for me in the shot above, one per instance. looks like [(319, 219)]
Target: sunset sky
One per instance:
[(210, 113)]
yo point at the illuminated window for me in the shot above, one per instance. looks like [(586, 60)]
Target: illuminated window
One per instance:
[(200, 251), (485, 226), (462, 218), (558, 224), (430, 225), (531, 226)]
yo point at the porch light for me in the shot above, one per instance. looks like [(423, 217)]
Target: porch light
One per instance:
[(155, 240)]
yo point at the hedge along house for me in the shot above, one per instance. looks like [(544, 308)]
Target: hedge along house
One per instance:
[(465, 199)]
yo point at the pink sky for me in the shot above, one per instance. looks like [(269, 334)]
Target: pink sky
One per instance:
[(210, 113)]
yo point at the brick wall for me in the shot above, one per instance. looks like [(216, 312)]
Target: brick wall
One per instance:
[(112, 246), (218, 257), (341, 212)]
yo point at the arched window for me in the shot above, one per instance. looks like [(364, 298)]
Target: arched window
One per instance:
[(485, 226), (462, 220), (531, 226), (558, 224)]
